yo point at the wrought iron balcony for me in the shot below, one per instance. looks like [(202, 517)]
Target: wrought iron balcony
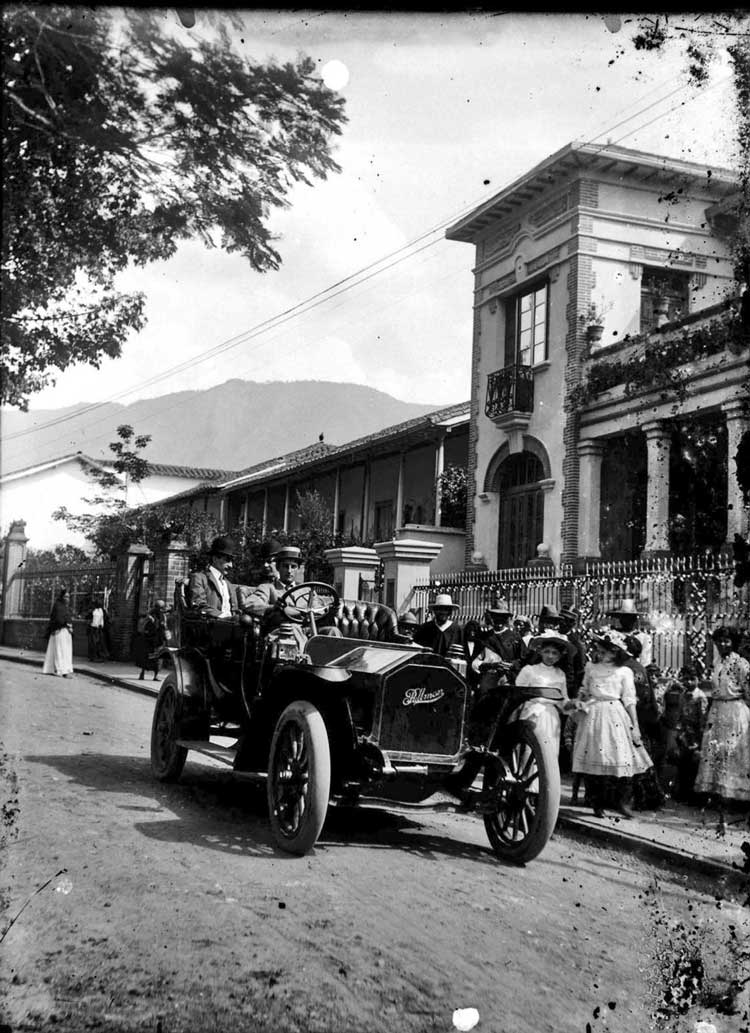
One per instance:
[(510, 389)]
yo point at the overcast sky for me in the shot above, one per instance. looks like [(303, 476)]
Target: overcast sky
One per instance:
[(444, 111)]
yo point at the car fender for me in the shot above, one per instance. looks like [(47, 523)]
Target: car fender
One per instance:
[(324, 688), (189, 680)]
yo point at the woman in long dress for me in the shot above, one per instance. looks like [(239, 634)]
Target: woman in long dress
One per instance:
[(724, 767), (608, 750), (59, 656)]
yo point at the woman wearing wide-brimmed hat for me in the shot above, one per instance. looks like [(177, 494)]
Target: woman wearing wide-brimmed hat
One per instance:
[(441, 631), (608, 748), (724, 768)]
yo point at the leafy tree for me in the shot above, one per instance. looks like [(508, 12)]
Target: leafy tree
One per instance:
[(119, 140), (58, 556), (701, 36), (115, 526)]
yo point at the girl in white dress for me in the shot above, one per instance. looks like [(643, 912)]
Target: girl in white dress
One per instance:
[(542, 712), (724, 768), (608, 744)]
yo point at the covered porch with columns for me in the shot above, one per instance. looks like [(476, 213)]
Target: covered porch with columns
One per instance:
[(651, 487)]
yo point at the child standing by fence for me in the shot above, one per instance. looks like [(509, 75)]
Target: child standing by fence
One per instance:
[(608, 751)]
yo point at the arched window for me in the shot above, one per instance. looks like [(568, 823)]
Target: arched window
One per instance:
[(521, 524)]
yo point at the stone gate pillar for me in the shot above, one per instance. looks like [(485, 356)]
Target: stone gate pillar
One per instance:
[(172, 562), (349, 564), (127, 599), (15, 556), (406, 561)]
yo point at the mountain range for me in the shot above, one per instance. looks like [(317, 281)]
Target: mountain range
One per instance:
[(228, 427)]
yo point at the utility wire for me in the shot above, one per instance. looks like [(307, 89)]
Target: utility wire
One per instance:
[(345, 283)]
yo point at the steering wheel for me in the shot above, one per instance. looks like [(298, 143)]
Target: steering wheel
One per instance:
[(314, 598)]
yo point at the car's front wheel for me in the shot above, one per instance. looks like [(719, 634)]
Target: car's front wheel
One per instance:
[(167, 756), (525, 781), (299, 777)]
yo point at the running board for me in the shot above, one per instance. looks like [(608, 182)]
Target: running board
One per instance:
[(225, 754)]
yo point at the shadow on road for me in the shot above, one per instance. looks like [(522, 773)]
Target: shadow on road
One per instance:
[(213, 808)]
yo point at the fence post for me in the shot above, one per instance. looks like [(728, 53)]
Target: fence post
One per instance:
[(13, 560)]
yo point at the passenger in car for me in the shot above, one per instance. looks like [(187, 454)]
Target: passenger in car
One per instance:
[(209, 590), (441, 631)]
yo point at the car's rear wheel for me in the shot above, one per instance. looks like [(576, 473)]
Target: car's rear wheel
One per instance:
[(167, 756), (526, 776), (299, 777)]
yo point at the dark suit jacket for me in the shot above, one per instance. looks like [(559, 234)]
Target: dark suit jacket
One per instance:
[(430, 635), (204, 593)]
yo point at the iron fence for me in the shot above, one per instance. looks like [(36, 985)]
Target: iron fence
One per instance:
[(36, 590), (681, 599)]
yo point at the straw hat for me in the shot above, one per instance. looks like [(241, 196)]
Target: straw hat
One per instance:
[(288, 552), (549, 638), (443, 600), (611, 639)]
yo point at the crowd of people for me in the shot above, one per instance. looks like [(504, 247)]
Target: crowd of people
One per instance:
[(630, 737)]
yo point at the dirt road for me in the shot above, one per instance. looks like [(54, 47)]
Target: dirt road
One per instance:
[(167, 908)]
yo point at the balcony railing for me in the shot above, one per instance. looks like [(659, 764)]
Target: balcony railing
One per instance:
[(510, 389)]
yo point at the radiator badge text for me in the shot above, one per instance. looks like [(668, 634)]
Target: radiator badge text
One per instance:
[(421, 695)]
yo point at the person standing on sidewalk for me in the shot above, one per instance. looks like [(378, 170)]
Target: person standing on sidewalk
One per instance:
[(724, 768), (542, 712), (608, 749), (59, 656), (152, 641)]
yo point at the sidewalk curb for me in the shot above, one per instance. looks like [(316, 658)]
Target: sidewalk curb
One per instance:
[(91, 672), (566, 821), (650, 848)]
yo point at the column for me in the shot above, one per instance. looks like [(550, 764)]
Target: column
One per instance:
[(657, 493), (590, 452), (264, 522), (223, 512), (336, 502), (245, 506), (439, 467), (286, 507), (738, 425), (363, 526), (400, 491)]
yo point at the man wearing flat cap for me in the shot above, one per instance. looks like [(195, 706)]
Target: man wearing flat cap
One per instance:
[(209, 590), (441, 631)]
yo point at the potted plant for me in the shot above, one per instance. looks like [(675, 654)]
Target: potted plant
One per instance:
[(593, 321)]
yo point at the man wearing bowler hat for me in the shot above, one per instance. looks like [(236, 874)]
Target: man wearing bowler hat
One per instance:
[(441, 631), (209, 590)]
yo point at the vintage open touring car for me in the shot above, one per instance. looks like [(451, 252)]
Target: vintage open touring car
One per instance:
[(323, 718)]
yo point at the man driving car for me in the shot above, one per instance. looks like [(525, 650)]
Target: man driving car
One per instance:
[(264, 602)]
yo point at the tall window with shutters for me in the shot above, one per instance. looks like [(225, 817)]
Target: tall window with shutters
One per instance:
[(526, 326)]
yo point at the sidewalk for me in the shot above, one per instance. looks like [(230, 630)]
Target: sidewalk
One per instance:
[(677, 835)]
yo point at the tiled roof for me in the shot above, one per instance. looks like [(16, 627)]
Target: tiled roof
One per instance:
[(320, 450), (202, 473)]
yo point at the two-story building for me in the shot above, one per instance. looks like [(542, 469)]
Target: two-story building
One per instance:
[(608, 376)]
